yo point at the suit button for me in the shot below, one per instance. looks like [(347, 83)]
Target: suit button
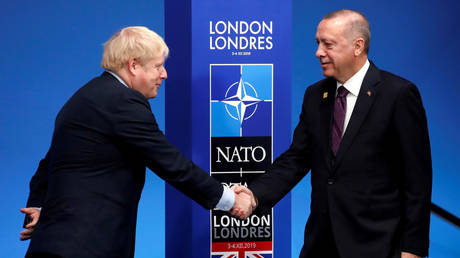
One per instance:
[(330, 181)]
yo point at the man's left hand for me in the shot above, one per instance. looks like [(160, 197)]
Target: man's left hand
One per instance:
[(34, 215)]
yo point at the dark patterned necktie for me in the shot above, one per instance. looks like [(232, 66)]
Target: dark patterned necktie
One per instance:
[(340, 108)]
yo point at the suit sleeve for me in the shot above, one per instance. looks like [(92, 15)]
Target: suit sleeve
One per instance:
[(288, 169), (411, 127), (38, 185), (135, 127)]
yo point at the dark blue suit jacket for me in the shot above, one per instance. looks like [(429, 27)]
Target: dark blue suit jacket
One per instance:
[(376, 192), (91, 180)]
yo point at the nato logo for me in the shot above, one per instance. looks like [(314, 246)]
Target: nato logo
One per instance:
[(241, 99)]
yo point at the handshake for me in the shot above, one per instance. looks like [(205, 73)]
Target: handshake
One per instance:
[(245, 202)]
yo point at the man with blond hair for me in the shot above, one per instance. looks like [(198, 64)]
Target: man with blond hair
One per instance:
[(363, 134), (86, 190)]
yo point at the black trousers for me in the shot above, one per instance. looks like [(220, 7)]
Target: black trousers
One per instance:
[(324, 245)]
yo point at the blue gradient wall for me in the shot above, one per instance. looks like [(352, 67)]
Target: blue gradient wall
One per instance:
[(48, 49), (418, 40)]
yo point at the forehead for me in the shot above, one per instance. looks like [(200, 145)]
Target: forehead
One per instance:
[(331, 28)]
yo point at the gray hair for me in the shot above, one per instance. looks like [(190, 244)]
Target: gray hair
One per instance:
[(359, 25)]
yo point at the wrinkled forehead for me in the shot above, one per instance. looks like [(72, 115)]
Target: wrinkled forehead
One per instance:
[(333, 27)]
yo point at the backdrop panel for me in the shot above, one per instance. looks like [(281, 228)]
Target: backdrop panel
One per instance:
[(234, 84)]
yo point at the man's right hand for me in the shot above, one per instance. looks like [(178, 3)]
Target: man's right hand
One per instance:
[(245, 202), (34, 215)]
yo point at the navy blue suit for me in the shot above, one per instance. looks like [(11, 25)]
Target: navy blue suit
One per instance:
[(373, 198), (91, 180)]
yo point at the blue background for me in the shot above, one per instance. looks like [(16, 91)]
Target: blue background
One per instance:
[(418, 40), (48, 49)]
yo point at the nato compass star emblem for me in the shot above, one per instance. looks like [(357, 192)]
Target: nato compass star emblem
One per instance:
[(241, 101)]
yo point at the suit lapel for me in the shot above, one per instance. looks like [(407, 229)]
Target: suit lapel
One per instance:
[(326, 107), (366, 97)]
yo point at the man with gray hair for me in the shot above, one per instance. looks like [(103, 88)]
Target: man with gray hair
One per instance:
[(363, 134), (89, 184)]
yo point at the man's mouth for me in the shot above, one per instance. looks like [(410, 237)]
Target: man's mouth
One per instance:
[(324, 64)]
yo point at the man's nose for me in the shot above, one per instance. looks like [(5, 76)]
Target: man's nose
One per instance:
[(319, 52)]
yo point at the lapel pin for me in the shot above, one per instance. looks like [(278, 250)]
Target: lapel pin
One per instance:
[(324, 95), (369, 93)]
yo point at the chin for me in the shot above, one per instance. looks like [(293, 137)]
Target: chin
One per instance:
[(328, 73), (150, 95)]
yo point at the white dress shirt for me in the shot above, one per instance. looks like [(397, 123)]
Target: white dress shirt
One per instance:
[(118, 78), (353, 85)]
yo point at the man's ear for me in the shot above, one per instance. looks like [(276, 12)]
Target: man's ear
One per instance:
[(133, 66), (358, 46)]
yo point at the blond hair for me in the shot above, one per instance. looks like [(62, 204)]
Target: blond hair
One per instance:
[(136, 42)]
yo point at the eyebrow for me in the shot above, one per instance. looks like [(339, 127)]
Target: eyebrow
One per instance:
[(326, 40)]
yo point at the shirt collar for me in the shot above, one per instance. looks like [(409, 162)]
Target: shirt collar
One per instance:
[(353, 85), (118, 77)]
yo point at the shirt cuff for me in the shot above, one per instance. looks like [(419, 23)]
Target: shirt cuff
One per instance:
[(227, 200)]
